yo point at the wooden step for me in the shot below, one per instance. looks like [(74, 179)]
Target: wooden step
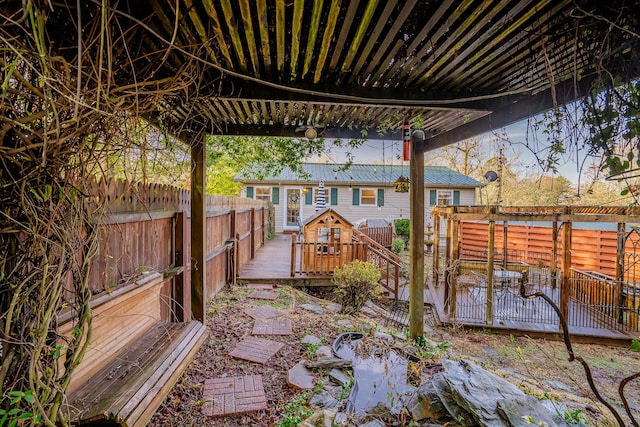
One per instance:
[(128, 390)]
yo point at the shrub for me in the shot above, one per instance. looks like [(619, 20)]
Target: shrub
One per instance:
[(402, 228), (356, 282), (397, 245)]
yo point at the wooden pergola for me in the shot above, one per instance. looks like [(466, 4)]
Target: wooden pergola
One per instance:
[(561, 220), (359, 69)]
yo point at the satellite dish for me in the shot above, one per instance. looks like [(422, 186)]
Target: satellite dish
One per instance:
[(491, 176)]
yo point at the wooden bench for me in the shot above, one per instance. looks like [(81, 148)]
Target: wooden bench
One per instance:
[(135, 357)]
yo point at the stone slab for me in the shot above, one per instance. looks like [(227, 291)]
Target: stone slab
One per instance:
[(263, 286), (256, 350), (272, 327), (264, 312), (233, 395), (264, 294)]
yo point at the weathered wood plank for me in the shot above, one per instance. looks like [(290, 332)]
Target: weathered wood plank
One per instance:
[(131, 388)]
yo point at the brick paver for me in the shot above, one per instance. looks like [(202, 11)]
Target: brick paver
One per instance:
[(257, 350), (264, 312), (264, 294), (272, 327), (233, 395)]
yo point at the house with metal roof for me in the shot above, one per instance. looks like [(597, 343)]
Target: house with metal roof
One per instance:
[(357, 192)]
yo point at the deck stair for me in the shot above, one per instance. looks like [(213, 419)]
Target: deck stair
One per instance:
[(388, 262)]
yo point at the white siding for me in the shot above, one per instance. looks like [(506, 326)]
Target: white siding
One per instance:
[(396, 205)]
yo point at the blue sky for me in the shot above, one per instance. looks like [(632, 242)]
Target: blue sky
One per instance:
[(518, 135)]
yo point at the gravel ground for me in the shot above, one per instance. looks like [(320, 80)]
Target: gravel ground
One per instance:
[(538, 367)]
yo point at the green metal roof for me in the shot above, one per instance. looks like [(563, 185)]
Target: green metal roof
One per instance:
[(358, 174)]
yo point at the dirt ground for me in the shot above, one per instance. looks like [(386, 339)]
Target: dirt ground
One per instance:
[(538, 367)]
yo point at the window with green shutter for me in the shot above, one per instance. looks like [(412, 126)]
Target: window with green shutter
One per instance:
[(275, 195), (250, 192), (334, 197), (308, 196), (356, 197), (433, 197), (456, 197), (380, 196)]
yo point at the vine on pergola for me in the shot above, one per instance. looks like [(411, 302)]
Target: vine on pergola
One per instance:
[(62, 115), (605, 124)]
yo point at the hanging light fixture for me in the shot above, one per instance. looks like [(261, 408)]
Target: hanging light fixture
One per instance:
[(311, 133)]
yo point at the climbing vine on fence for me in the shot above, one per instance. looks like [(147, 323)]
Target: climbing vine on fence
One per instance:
[(63, 118)]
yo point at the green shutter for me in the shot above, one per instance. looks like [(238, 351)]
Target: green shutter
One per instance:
[(380, 196), (334, 197), (433, 197), (356, 197), (456, 197), (308, 196), (250, 192), (275, 195)]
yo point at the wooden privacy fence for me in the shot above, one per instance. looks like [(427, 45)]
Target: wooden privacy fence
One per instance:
[(143, 336), (147, 228), (592, 250)]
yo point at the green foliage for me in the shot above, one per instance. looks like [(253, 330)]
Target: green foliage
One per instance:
[(311, 350), (16, 414), (635, 344), (346, 387), (397, 246), (574, 417), (428, 351), (296, 411), (403, 227), (355, 283)]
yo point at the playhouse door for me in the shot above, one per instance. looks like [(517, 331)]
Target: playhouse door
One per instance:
[(293, 208)]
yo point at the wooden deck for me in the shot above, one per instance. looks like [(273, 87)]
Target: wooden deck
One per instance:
[(272, 264), (578, 334)]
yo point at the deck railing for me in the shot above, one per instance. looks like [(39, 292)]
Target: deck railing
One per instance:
[(380, 235), (387, 262), (617, 304), (320, 259)]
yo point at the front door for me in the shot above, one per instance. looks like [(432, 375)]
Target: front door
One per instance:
[(293, 209)]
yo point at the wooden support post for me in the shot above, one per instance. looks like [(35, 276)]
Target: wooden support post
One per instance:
[(294, 238), (454, 270), (178, 304), (490, 263), (505, 247), (416, 237), (618, 296), (554, 254), (566, 267), (263, 225), (436, 251), (252, 233), (198, 229), (447, 263)]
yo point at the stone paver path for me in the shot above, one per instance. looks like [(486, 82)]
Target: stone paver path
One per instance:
[(233, 395), (272, 327), (256, 350), (264, 312), (264, 294)]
